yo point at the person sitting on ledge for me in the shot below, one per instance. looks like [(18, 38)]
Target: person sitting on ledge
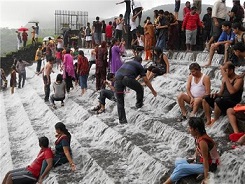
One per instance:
[(226, 39), (31, 174), (62, 153), (198, 85), (229, 95), (233, 113), (161, 64), (138, 44), (206, 155)]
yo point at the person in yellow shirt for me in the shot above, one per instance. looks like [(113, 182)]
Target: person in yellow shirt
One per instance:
[(38, 58)]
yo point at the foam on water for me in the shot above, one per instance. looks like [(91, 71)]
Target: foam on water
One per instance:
[(142, 151)]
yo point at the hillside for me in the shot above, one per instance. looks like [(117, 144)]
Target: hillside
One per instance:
[(8, 37)]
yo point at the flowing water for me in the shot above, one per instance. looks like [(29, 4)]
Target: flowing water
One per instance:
[(142, 151)]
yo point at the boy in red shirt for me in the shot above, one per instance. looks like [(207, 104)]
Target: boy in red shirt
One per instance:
[(30, 174), (108, 32), (190, 23)]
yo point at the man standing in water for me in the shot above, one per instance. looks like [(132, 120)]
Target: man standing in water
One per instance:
[(125, 77), (46, 70)]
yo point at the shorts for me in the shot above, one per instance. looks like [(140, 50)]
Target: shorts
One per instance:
[(222, 103), (133, 34), (191, 37), (88, 38), (22, 175)]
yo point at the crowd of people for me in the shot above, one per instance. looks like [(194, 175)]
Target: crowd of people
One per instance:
[(22, 36), (223, 32)]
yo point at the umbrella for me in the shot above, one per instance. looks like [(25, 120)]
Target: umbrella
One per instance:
[(47, 38), (23, 29)]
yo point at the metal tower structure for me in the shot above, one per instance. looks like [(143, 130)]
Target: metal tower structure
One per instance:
[(65, 19)]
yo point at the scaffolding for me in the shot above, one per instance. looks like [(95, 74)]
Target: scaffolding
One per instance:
[(65, 19)]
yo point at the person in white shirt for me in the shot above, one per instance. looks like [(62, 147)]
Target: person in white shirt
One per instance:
[(137, 7), (198, 85)]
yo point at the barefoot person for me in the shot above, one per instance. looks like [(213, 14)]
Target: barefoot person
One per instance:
[(226, 39), (207, 156), (46, 70), (31, 174), (160, 66), (125, 77), (229, 95), (198, 85)]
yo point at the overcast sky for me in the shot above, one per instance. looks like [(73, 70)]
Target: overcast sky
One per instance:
[(15, 13)]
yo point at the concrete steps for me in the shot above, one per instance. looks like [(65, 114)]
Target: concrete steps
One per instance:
[(142, 151)]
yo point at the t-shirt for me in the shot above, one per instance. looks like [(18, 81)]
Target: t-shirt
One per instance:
[(136, 4), (130, 69), (163, 22), (219, 10), (239, 13), (191, 22), (207, 21), (59, 89), (36, 165), (97, 27), (227, 36), (108, 31)]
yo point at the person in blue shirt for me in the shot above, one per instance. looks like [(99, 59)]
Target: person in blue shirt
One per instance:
[(226, 39), (126, 77)]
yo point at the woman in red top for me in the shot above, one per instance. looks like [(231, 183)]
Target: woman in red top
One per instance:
[(207, 156), (82, 70)]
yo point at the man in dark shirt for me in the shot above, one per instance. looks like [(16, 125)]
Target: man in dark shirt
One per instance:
[(237, 12), (229, 95), (125, 77), (128, 10), (97, 26)]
